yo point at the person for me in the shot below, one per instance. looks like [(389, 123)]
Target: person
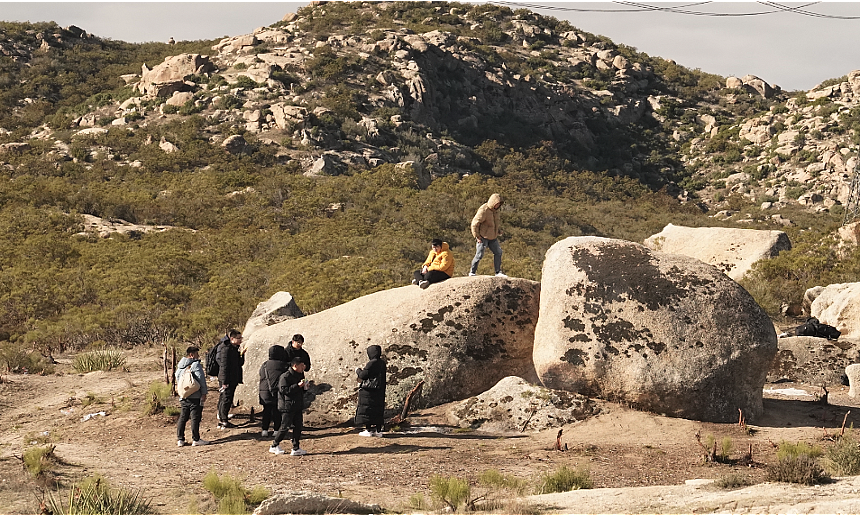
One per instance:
[(295, 349), (438, 266), (192, 406), (230, 362), (486, 228), (371, 394), (291, 400), (270, 373)]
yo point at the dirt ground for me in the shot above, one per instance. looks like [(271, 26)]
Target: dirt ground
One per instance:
[(621, 448)]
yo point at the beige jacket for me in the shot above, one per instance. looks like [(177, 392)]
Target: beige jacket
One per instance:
[(486, 223)]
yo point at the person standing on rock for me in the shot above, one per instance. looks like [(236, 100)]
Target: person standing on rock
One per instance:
[(438, 266), (291, 401), (230, 361), (370, 412), (192, 406), (270, 373), (486, 228), (295, 349)]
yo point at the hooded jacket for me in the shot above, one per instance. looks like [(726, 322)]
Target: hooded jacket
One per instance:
[(291, 396), (230, 363), (197, 371), (486, 223), (371, 402), (441, 261), (270, 373)]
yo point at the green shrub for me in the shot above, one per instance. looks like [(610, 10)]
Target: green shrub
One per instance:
[(564, 479), (157, 397), (787, 450), (796, 463), (169, 109), (18, 359), (231, 495), (451, 491), (98, 360), (93, 495), (39, 460), (843, 458), (733, 480)]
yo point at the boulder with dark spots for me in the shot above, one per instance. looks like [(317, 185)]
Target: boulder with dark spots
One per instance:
[(277, 308), (664, 333), (813, 360), (460, 337)]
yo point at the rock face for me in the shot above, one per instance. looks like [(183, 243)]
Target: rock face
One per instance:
[(514, 405), (280, 307), (169, 76), (460, 336), (812, 360), (312, 503), (665, 333), (839, 305), (731, 250)]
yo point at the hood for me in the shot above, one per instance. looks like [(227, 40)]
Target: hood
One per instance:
[(494, 201), (445, 246), (374, 351), (277, 352), (185, 362)]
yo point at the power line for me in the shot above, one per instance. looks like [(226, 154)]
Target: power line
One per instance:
[(638, 7)]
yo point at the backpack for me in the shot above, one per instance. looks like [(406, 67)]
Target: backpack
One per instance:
[(814, 328), (187, 384), (212, 368)]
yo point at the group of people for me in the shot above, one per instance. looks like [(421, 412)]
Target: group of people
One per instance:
[(486, 228), (281, 391)]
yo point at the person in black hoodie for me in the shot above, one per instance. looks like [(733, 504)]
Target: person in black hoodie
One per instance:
[(291, 400), (270, 373), (371, 394), (230, 361), (295, 350)]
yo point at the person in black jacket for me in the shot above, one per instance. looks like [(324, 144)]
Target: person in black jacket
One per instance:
[(371, 394), (291, 400), (295, 350), (230, 362), (270, 373)]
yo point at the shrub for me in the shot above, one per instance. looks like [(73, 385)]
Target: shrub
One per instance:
[(843, 458), (564, 479), (733, 480), (98, 360), (451, 491), (796, 464), (19, 360), (156, 398), (232, 496), (93, 495), (169, 109), (39, 460)]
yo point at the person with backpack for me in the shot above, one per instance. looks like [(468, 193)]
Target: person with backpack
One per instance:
[(270, 374), (230, 361), (291, 402), (191, 404), (371, 394)]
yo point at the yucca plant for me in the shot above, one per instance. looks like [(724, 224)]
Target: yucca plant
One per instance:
[(98, 360), (93, 495)]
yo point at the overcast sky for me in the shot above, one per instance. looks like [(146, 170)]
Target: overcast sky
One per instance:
[(793, 50)]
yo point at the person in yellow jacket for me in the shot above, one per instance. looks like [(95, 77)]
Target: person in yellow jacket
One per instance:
[(486, 228), (438, 266)]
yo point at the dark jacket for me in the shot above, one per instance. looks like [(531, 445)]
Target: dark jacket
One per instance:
[(230, 363), (291, 396), (270, 373), (371, 401), (301, 353)]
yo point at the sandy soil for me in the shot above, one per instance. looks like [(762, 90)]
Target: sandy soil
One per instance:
[(621, 448)]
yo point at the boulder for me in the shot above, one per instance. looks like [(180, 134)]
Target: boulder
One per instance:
[(169, 76), (280, 307), (180, 98), (760, 86), (853, 373), (235, 144), (734, 83), (312, 503), (460, 337), (839, 305), (812, 360), (622, 322), (514, 405), (809, 297), (731, 250)]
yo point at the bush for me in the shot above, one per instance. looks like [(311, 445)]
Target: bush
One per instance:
[(93, 495), (156, 398), (98, 360), (39, 460), (733, 480), (843, 458), (232, 496), (451, 491), (564, 479), (796, 464), (18, 360)]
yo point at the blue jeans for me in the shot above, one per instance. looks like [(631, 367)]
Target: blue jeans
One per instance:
[(480, 247)]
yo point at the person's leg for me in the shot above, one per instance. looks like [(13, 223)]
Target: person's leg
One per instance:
[(282, 430), (417, 277), (184, 413), (496, 248), (276, 417), (225, 403), (298, 422), (479, 253), (196, 417), (265, 416), (437, 276)]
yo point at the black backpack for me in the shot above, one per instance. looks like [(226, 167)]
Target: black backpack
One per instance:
[(814, 328), (212, 368)]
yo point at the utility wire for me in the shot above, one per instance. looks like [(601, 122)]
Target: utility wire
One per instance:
[(637, 7)]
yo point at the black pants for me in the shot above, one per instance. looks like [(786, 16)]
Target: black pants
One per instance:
[(270, 414), (189, 408), (431, 276), (373, 428), (225, 403), (293, 418)]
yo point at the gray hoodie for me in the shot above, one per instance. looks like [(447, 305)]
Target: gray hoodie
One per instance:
[(197, 371)]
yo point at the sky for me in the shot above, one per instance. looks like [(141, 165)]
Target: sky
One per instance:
[(795, 50)]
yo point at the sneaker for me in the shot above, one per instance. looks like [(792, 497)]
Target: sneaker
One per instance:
[(180, 443), (377, 434), (414, 281), (226, 425), (472, 274), (199, 442), (366, 433), (501, 274), (264, 433), (298, 452), (276, 450), (424, 284)]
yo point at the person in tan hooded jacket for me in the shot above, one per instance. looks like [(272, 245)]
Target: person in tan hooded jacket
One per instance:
[(438, 266), (486, 228)]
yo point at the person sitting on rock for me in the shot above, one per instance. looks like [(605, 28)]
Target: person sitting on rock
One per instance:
[(438, 266)]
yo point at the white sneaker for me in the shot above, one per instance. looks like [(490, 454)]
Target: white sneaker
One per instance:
[(377, 434), (180, 443), (264, 433), (199, 442), (501, 274), (366, 433), (424, 284), (298, 452), (472, 274), (414, 281), (276, 450)]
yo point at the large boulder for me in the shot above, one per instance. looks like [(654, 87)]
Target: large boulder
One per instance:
[(812, 360), (839, 305), (280, 307), (169, 76), (731, 250), (665, 333), (460, 337)]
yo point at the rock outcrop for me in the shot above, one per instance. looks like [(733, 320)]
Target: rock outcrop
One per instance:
[(665, 333), (731, 250), (839, 305), (298, 502), (812, 360), (278, 308), (460, 337), (169, 76)]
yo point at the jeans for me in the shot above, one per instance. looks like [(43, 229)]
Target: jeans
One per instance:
[(292, 417), (480, 247), (189, 407), (225, 402)]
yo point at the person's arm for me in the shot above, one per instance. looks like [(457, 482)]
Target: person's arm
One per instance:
[(445, 261), (197, 371), (476, 223), (222, 359)]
